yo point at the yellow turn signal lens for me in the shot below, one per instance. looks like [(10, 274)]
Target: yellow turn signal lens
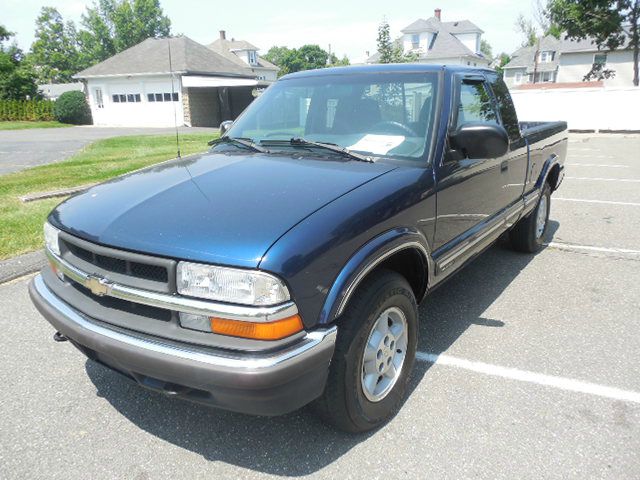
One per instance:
[(258, 331)]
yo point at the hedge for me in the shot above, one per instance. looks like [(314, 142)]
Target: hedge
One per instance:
[(30, 110)]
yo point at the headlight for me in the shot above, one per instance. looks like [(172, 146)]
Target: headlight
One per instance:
[(51, 238), (230, 285)]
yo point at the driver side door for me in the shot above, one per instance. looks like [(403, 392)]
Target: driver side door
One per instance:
[(469, 191)]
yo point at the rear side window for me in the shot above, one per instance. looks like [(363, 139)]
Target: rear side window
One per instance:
[(475, 104), (505, 106)]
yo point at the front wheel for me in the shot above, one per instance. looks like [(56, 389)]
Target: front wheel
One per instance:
[(374, 355), (529, 233)]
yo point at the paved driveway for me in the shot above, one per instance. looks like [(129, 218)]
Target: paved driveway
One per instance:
[(527, 369), (21, 149)]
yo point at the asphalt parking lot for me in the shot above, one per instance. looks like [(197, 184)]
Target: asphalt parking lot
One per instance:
[(20, 149), (529, 368)]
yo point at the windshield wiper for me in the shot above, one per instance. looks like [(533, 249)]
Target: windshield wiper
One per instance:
[(245, 142), (302, 142)]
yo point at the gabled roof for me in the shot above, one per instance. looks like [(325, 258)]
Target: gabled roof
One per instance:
[(433, 24), (444, 44), (223, 43), (422, 25), (462, 26), (226, 47), (524, 57), (152, 56), (588, 45)]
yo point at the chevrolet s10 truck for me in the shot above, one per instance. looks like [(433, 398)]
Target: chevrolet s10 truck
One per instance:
[(285, 265)]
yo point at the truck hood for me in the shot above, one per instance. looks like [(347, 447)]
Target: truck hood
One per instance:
[(222, 208)]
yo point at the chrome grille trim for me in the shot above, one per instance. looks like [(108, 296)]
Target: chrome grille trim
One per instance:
[(178, 303)]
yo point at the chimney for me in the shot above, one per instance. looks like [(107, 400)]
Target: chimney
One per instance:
[(437, 13), (223, 35)]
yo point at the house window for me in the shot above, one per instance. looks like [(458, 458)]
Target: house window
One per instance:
[(517, 78), (162, 97), (600, 59), (415, 40), (253, 58), (547, 56), (545, 77), (98, 96), (126, 98)]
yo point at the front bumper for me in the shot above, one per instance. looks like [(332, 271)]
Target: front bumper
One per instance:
[(271, 383)]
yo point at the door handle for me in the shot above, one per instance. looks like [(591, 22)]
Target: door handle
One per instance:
[(504, 165)]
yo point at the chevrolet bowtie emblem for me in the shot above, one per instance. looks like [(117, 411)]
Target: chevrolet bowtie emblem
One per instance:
[(98, 285)]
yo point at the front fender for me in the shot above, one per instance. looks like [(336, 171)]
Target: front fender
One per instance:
[(365, 260)]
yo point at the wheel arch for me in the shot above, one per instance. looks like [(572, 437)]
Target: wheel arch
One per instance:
[(402, 250), (551, 172)]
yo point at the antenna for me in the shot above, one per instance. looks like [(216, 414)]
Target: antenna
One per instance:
[(175, 120)]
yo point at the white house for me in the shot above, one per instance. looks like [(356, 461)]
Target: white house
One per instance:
[(435, 41), (245, 55), (565, 61), (165, 81)]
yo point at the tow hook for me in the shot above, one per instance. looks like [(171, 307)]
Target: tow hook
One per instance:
[(58, 337)]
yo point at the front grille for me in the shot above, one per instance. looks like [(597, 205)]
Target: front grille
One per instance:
[(118, 265), (126, 306)]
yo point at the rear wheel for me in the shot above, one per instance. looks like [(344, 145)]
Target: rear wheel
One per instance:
[(375, 352), (529, 233)]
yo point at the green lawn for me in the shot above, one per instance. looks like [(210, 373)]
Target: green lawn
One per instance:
[(25, 125), (21, 224)]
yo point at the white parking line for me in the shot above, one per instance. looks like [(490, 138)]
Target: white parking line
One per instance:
[(605, 202), (631, 180), (597, 165), (588, 248), (561, 383)]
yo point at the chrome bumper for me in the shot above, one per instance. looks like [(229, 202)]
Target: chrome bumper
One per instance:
[(269, 383)]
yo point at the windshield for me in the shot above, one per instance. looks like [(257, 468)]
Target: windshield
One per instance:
[(379, 114)]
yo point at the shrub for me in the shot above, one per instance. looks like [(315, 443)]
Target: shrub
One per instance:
[(29, 110), (72, 107)]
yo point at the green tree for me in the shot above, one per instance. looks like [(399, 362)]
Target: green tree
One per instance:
[(334, 61), (110, 26), (54, 52), (486, 49), (390, 51), (307, 57), (17, 77), (608, 22), (503, 59), (4, 34), (527, 29), (276, 55)]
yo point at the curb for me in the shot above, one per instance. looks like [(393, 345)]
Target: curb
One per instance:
[(22, 265)]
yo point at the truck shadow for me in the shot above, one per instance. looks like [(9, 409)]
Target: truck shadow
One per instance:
[(299, 444)]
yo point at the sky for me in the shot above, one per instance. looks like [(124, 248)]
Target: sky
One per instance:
[(347, 28)]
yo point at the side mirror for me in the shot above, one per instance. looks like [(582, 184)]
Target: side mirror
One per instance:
[(224, 126), (480, 140)]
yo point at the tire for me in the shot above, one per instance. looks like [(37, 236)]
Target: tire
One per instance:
[(526, 236), (346, 403)]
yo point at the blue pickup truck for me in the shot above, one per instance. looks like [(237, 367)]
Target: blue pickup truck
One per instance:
[(285, 265)]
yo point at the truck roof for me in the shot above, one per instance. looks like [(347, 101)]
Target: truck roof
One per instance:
[(387, 67)]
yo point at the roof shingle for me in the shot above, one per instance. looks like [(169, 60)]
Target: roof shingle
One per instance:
[(152, 56)]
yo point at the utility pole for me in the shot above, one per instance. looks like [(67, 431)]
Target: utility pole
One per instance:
[(535, 60)]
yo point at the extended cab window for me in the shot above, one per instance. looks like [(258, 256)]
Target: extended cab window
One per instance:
[(505, 106), (475, 104)]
